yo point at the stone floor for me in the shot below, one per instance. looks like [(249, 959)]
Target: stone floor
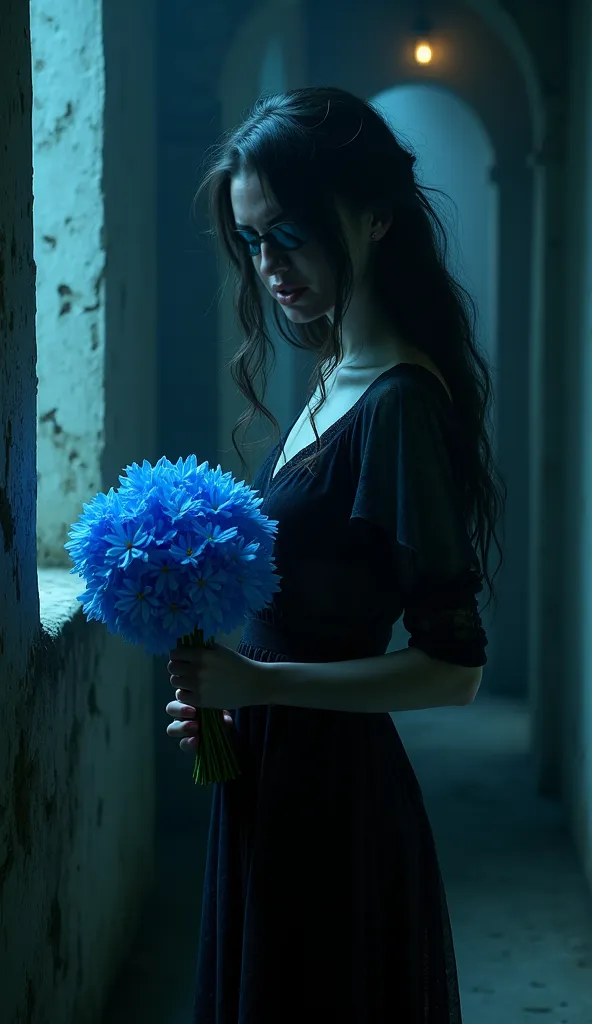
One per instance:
[(521, 912)]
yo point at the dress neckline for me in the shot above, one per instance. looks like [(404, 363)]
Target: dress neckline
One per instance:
[(335, 428)]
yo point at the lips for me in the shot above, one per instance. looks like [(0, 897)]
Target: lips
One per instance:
[(286, 289), (288, 295)]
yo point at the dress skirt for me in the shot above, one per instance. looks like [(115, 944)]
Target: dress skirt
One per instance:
[(323, 899)]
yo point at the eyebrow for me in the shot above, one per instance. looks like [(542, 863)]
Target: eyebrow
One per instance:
[(270, 224)]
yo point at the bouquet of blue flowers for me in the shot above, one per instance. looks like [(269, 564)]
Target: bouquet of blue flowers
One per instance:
[(177, 553)]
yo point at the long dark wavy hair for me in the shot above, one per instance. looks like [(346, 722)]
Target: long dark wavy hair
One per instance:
[(313, 148)]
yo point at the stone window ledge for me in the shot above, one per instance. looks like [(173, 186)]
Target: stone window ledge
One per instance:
[(58, 591)]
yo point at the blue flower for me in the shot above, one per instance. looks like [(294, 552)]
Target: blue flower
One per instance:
[(178, 617), (187, 549), (129, 540), (213, 534), (207, 582), (177, 547), (163, 568), (135, 599)]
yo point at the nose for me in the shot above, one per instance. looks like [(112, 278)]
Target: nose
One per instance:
[(272, 259)]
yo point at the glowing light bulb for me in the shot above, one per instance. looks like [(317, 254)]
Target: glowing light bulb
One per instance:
[(423, 53)]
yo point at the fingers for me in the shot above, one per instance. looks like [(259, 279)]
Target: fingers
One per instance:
[(186, 712), (178, 729), (185, 696), (176, 709), (184, 728), (185, 667)]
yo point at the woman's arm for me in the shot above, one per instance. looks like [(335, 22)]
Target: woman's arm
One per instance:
[(405, 680)]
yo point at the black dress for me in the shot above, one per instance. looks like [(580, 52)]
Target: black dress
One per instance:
[(323, 899)]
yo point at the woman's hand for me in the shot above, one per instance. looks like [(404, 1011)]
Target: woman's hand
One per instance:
[(184, 727), (216, 677)]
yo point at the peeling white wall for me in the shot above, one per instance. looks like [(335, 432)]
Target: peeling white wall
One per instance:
[(69, 246)]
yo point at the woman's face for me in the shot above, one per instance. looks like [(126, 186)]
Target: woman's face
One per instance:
[(292, 267)]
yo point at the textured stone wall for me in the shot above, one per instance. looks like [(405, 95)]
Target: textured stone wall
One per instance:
[(77, 834), (69, 247), (19, 606), (76, 753), (18, 568)]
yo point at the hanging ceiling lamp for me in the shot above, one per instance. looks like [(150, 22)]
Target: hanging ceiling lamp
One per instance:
[(422, 31)]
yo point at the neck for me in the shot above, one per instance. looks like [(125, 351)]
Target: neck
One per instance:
[(367, 340)]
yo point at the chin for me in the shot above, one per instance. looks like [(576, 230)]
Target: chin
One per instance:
[(305, 314), (301, 316)]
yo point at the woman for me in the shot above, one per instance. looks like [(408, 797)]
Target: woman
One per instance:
[(323, 899)]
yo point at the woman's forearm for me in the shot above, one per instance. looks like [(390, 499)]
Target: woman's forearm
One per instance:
[(403, 680)]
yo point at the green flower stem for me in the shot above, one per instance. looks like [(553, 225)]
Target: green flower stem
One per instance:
[(215, 760)]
